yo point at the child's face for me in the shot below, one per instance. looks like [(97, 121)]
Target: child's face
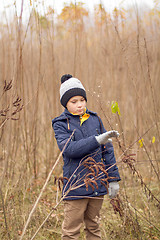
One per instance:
[(76, 105)]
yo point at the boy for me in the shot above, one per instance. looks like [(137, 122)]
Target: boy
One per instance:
[(83, 203)]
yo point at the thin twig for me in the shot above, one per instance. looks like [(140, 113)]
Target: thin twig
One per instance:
[(4, 213)]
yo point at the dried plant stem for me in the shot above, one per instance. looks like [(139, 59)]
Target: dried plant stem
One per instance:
[(47, 218), (44, 186), (150, 160), (152, 91), (135, 210), (101, 107), (3, 123), (75, 41), (121, 129), (4, 213)]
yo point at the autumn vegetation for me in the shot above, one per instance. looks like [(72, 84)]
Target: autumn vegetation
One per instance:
[(117, 57)]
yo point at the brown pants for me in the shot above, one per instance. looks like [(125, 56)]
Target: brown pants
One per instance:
[(78, 211)]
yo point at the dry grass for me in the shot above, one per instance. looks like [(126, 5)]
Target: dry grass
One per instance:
[(117, 60)]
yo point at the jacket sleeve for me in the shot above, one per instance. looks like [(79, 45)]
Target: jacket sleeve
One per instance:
[(74, 149), (109, 159)]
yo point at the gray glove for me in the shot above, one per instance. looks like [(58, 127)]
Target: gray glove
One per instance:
[(113, 189), (105, 137)]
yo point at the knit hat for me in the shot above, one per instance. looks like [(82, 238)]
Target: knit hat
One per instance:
[(70, 87)]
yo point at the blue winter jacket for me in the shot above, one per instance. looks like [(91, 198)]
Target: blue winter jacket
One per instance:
[(82, 145)]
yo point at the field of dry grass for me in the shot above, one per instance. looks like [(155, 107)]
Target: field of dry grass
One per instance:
[(118, 60)]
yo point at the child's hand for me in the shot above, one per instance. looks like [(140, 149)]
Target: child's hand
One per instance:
[(113, 189), (104, 137)]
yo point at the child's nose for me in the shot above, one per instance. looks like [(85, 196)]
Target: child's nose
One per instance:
[(79, 104)]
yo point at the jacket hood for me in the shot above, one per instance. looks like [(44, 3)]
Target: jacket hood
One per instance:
[(59, 118)]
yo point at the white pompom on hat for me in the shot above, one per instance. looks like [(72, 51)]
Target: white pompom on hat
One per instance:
[(70, 87)]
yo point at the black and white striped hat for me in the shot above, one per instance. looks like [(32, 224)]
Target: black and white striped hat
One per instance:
[(70, 87)]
